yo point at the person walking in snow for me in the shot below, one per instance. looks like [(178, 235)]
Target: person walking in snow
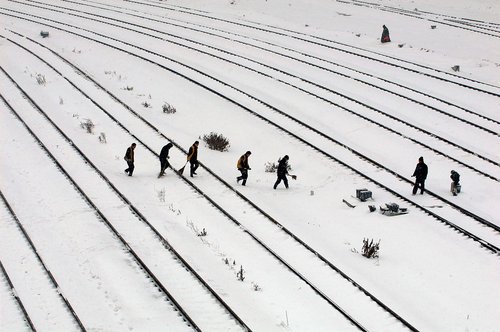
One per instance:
[(385, 35), (282, 172), (192, 157), (420, 175), (163, 159), (243, 167), (129, 158), (455, 184)]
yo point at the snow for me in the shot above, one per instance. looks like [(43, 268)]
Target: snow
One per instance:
[(284, 64)]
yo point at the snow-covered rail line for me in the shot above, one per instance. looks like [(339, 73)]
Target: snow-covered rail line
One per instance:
[(19, 302), (443, 18), (157, 130), (405, 123), (39, 280), (218, 193), (301, 275), (12, 306), (455, 159), (349, 49), (378, 165), (456, 117), (173, 310), (166, 266)]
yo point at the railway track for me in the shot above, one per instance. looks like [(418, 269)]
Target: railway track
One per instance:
[(76, 321), (400, 177), (484, 28), (346, 109), (207, 168), (18, 300), (128, 246), (320, 292), (320, 41)]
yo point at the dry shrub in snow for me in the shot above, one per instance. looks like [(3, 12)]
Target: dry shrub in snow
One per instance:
[(88, 125), (216, 142), (168, 109), (370, 249)]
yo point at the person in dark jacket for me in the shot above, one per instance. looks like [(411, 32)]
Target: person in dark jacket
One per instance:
[(129, 158), (420, 175), (282, 172), (385, 35), (163, 159), (192, 157), (455, 184), (243, 167)]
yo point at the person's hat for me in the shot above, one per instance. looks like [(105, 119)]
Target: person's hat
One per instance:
[(248, 153), (286, 157), (421, 159)]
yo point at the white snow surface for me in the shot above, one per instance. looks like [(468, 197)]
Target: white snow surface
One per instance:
[(307, 79)]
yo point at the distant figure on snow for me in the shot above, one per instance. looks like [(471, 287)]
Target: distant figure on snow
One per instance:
[(385, 35), (420, 175), (243, 167), (163, 159), (129, 158), (282, 172), (455, 184), (192, 157)]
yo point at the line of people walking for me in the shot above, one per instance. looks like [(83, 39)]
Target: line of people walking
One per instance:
[(243, 166), (192, 158)]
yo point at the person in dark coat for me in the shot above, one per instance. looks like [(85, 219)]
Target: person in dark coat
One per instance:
[(163, 159), (243, 167), (192, 157), (455, 177), (385, 35), (420, 175), (282, 172), (129, 158)]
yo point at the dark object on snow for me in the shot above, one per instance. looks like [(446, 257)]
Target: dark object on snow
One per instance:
[(363, 194), (163, 159), (243, 166), (181, 170), (392, 209), (192, 157), (44, 34), (282, 172), (401, 45), (455, 184), (348, 204), (433, 26), (385, 35), (456, 68), (420, 175), (372, 208), (370, 249), (129, 158)]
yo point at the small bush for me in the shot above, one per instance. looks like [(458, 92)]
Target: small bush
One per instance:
[(216, 142), (102, 138), (40, 79), (88, 125), (146, 104), (168, 109), (128, 88), (272, 167), (370, 249), (241, 274)]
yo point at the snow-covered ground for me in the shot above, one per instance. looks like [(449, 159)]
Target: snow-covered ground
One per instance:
[(307, 79)]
